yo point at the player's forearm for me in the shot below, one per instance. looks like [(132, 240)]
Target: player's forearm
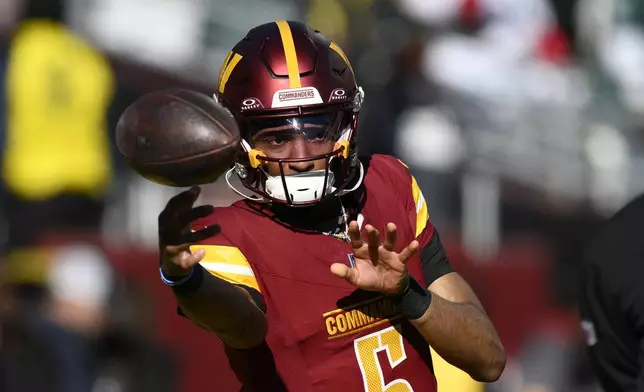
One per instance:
[(225, 309), (463, 335)]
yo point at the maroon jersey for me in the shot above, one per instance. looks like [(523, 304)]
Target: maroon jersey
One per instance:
[(323, 333)]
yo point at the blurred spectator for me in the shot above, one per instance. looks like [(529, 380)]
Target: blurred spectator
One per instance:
[(56, 163), (85, 336), (55, 335)]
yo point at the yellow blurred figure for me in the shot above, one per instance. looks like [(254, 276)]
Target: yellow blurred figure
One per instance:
[(330, 17), (58, 90)]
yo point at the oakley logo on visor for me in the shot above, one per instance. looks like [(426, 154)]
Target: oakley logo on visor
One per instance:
[(251, 103), (338, 94)]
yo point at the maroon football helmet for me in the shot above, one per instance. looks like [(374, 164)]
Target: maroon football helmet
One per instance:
[(287, 76)]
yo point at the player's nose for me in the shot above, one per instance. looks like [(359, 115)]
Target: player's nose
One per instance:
[(300, 150), (301, 167)]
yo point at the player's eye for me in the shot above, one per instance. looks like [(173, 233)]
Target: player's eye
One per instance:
[(316, 134), (276, 141)]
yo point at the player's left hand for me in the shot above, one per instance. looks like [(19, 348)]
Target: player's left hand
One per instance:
[(377, 266)]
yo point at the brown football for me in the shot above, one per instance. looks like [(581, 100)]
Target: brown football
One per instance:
[(178, 137)]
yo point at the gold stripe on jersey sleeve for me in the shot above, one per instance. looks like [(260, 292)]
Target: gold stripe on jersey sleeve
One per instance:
[(227, 69), (336, 48), (422, 215), (227, 263), (290, 54)]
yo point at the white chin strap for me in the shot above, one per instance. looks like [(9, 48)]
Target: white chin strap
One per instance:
[(305, 187)]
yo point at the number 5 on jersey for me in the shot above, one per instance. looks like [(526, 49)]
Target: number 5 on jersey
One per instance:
[(367, 348)]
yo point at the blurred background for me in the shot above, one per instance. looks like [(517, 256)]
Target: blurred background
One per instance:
[(521, 120)]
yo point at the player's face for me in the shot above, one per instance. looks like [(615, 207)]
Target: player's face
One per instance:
[(296, 138)]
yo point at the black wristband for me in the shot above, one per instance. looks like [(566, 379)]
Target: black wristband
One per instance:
[(414, 301), (191, 285)]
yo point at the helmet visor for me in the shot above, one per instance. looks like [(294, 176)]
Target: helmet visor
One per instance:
[(277, 137)]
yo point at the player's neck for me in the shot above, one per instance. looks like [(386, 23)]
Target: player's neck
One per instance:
[(324, 216)]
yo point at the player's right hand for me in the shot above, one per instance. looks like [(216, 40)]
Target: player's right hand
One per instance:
[(176, 235)]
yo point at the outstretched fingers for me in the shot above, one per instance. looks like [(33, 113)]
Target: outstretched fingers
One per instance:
[(409, 251), (355, 236), (391, 236), (349, 274), (373, 242)]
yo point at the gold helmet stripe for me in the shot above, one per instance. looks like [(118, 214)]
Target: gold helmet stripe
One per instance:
[(290, 54), (340, 52), (227, 69)]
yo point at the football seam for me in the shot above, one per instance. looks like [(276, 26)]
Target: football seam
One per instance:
[(220, 148), (202, 112)]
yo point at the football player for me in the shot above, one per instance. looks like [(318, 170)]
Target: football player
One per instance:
[(612, 300), (328, 276)]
